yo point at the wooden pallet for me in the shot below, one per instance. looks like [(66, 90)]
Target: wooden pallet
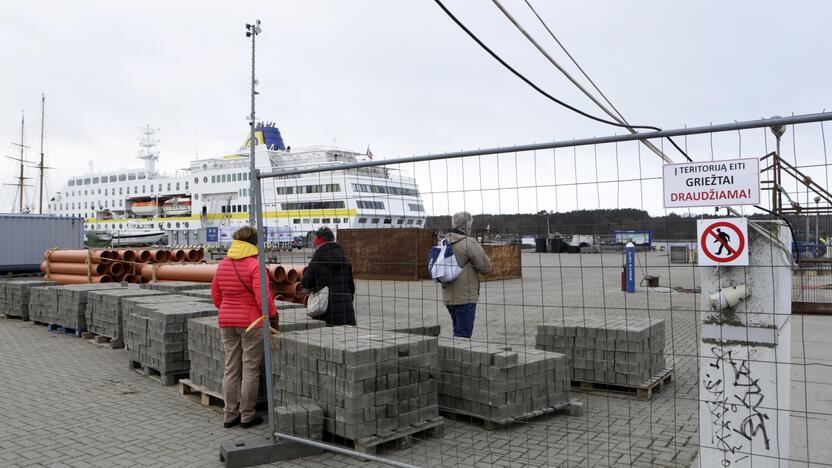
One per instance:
[(206, 396), (54, 327), (209, 398), (572, 408), (643, 392), (43, 324), (103, 341), (10, 316), (401, 438), (165, 378)]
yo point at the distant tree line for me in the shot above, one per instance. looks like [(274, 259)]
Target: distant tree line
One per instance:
[(602, 223)]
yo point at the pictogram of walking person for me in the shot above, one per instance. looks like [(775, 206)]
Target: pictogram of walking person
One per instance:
[(723, 240)]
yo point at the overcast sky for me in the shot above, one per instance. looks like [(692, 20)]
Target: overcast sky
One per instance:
[(400, 77)]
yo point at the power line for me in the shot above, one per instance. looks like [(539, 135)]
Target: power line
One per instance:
[(541, 91)]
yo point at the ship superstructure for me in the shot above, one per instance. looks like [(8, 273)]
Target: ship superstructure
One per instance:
[(215, 192)]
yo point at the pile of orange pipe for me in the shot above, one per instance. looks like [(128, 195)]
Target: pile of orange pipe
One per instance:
[(286, 285), (110, 265)]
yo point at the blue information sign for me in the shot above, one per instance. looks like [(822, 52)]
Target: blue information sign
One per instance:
[(212, 234), (630, 267)]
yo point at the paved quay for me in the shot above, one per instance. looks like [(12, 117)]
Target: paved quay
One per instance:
[(66, 402)]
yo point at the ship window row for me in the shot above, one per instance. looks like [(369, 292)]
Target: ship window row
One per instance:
[(387, 221), (299, 189), (370, 204), (384, 189), (170, 186), (234, 177), (234, 209), (316, 205), (319, 220), (416, 207)]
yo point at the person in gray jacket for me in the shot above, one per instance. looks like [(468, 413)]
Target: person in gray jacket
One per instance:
[(461, 295)]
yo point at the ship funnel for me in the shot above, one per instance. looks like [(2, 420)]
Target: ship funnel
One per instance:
[(267, 134)]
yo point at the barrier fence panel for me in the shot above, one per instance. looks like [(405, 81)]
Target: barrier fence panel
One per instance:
[(696, 366)]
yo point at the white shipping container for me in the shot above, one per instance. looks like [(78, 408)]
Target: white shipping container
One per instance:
[(24, 238)]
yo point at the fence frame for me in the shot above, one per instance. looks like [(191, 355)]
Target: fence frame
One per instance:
[(256, 203)]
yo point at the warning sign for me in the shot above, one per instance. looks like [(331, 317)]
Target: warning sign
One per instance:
[(713, 183), (723, 241)]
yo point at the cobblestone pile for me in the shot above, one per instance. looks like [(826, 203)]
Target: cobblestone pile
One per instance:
[(14, 298), (367, 383), (72, 304), (613, 351), (104, 310), (156, 330), (498, 382)]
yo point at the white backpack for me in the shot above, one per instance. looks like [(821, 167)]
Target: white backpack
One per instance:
[(442, 264)]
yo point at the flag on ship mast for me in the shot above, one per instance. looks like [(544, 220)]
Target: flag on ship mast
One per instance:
[(369, 153)]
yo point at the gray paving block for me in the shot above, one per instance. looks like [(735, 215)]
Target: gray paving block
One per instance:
[(608, 350), (156, 330), (14, 300), (365, 382), (175, 286), (497, 382)]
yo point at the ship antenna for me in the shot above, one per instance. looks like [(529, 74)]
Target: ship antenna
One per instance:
[(148, 142), (252, 30)]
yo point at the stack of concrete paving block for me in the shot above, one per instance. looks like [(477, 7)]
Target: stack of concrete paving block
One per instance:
[(367, 383), (72, 304), (15, 298), (426, 326), (499, 383), (176, 287), (43, 304), (202, 293), (156, 330), (302, 420), (104, 310), (613, 351), (206, 353)]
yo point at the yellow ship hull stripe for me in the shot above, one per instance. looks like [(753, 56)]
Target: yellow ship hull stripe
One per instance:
[(342, 213)]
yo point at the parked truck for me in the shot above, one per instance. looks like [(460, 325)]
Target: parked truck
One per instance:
[(24, 238)]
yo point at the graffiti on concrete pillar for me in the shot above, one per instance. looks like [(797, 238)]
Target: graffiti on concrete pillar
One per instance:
[(746, 397)]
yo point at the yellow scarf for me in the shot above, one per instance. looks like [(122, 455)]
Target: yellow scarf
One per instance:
[(241, 249)]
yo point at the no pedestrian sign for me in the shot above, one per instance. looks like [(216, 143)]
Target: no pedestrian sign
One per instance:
[(713, 183), (723, 242)]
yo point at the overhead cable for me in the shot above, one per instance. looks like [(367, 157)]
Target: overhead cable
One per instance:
[(537, 88), (614, 115)]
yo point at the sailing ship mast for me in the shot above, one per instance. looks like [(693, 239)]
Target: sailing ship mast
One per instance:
[(40, 166), (20, 179)]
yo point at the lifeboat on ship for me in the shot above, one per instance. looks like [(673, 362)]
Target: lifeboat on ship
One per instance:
[(145, 208), (179, 206)]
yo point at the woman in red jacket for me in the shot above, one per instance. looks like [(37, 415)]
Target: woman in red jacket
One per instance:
[(235, 291)]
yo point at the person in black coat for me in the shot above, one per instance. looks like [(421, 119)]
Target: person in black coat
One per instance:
[(331, 267)]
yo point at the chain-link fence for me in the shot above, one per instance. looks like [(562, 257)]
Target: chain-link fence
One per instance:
[(563, 366)]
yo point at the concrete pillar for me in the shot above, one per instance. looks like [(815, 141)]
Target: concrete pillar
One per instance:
[(744, 355)]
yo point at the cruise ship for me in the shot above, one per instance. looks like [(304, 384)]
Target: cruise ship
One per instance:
[(142, 205)]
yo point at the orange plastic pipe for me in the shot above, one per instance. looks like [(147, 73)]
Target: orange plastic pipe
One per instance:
[(142, 256), (200, 272), (277, 273), (201, 255), (78, 279), (192, 255), (116, 269), (178, 255), (79, 256), (159, 255), (127, 255), (96, 269)]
